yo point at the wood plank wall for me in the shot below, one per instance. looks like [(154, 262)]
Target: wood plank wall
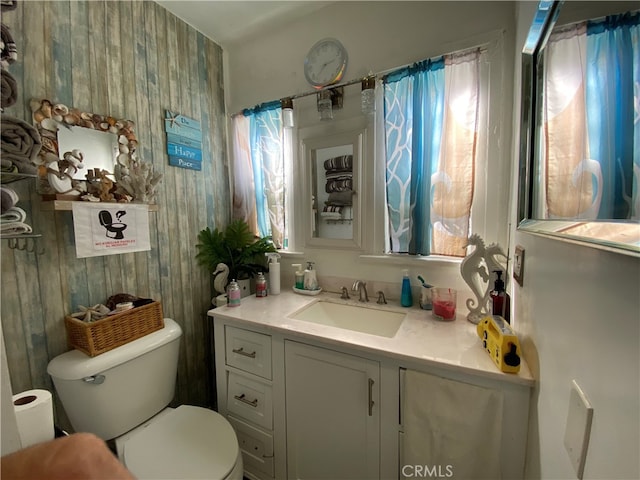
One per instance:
[(130, 60)]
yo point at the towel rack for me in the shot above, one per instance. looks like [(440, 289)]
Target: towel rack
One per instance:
[(24, 241)]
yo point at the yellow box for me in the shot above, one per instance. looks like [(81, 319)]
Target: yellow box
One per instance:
[(499, 339)]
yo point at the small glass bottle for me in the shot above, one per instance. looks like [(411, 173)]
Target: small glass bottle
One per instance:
[(261, 286), (233, 294)]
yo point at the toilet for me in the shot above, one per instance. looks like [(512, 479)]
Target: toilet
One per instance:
[(123, 395)]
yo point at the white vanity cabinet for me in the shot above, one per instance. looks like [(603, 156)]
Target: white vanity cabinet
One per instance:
[(245, 394), (306, 406)]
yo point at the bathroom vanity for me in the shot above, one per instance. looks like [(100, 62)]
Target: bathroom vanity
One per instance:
[(386, 398)]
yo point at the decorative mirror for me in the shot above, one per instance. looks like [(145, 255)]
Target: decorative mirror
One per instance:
[(569, 178), (89, 156), (332, 166)]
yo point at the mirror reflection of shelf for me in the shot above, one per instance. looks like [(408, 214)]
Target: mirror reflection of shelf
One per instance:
[(66, 205), (337, 220)]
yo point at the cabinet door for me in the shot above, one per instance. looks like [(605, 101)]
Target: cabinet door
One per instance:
[(451, 428), (333, 419)]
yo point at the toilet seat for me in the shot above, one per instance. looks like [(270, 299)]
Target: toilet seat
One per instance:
[(189, 442)]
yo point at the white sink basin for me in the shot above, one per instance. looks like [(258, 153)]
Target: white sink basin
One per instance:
[(383, 323)]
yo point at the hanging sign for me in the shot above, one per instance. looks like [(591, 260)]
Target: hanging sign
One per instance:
[(110, 228), (184, 141)]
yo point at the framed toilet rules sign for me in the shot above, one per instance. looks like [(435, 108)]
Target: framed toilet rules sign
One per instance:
[(110, 228)]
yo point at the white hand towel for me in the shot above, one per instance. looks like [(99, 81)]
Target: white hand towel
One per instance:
[(14, 214), (13, 228)]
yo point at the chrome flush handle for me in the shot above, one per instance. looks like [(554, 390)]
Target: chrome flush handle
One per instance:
[(94, 379)]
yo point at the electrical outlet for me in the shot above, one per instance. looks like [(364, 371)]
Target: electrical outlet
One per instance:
[(518, 264), (578, 429)]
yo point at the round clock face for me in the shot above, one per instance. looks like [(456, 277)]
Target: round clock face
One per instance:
[(325, 63)]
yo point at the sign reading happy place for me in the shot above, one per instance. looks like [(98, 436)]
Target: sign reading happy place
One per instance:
[(184, 141)]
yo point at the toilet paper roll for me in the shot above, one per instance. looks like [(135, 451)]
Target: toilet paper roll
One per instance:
[(34, 415)]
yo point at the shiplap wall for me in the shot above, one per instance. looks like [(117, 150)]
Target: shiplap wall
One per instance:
[(130, 60)]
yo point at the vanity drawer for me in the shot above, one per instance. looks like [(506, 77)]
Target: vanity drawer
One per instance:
[(248, 351), (256, 447), (250, 399)]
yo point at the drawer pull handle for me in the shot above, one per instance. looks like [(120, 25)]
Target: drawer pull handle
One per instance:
[(240, 351), (371, 402), (241, 398)]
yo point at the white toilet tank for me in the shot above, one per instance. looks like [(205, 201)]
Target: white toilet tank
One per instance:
[(118, 390)]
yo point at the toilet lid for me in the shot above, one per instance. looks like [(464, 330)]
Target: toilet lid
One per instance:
[(189, 442)]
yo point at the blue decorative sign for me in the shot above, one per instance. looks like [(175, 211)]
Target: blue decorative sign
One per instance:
[(184, 141)]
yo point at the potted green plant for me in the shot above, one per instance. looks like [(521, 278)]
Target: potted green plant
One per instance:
[(236, 247)]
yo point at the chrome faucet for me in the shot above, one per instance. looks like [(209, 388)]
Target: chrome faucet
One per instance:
[(381, 299), (361, 287), (345, 294)]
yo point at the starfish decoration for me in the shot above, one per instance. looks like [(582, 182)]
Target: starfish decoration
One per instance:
[(90, 314)]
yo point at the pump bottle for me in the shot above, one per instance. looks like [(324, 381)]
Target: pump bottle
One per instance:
[(310, 279), (299, 276), (274, 272), (406, 299), (500, 298)]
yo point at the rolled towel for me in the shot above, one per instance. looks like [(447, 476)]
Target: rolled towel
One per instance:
[(8, 89), (7, 5), (330, 214), (21, 143), (14, 214), (8, 50), (15, 228), (8, 199)]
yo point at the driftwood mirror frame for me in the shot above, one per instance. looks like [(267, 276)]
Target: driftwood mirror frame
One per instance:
[(49, 117)]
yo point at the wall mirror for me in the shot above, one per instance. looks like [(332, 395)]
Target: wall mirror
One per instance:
[(332, 173), (102, 139), (561, 191)]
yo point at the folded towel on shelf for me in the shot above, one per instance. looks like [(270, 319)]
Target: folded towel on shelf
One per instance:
[(7, 5), (15, 228), (8, 199), (330, 215), (20, 143), (8, 89), (340, 198), (8, 49), (338, 185), (14, 214), (344, 162)]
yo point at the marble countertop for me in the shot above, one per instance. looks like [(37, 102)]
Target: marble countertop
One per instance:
[(420, 339)]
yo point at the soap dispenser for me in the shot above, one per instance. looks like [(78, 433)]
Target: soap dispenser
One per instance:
[(406, 300), (310, 279), (500, 298), (299, 276)]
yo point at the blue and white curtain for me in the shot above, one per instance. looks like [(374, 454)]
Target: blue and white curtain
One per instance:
[(591, 120), (259, 170), (431, 114)]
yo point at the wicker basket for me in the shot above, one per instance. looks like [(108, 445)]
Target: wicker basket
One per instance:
[(94, 338)]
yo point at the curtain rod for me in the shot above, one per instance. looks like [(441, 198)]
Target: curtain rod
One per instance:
[(356, 80), (313, 92)]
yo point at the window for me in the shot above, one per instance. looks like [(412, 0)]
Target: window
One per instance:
[(425, 174), (431, 121), (260, 147)]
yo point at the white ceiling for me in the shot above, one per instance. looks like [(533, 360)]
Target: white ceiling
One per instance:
[(227, 22)]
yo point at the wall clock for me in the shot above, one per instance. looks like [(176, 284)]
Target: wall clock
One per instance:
[(325, 63)]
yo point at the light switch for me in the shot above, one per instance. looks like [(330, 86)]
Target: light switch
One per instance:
[(576, 435), (518, 264)]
